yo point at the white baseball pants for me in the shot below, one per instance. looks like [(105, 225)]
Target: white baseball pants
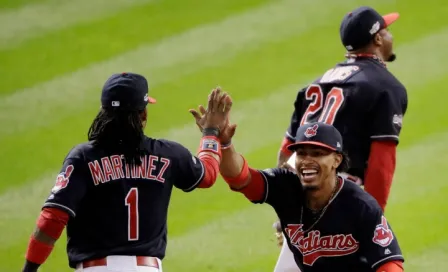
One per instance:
[(121, 264), (286, 262)]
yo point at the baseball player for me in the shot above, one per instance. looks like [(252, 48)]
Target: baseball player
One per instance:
[(330, 223), (363, 100), (113, 192)]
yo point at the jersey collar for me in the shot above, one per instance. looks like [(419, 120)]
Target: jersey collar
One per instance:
[(368, 56)]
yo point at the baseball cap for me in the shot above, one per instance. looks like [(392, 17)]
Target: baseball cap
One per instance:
[(360, 26), (126, 91), (318, 134)]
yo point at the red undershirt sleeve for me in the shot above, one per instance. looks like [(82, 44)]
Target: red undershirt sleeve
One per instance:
[(395, 266), (211, 170), (255, 191), (51, 222), (284, 147), (380, 170)]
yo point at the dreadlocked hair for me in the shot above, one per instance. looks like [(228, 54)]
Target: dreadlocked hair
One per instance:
[(345, 164), (119, 131)]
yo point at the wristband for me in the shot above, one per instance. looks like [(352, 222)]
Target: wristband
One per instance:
[(226, 146), (210, 144), (210, 132)]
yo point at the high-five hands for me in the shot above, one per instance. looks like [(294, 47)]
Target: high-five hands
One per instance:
[(216, 115)]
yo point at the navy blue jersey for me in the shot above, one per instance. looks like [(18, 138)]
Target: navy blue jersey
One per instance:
[(343, 237), (362, 99), (121, 209)]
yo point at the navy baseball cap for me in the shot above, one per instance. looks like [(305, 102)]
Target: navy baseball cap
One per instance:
[(360, 26), (126, 91), (318, 134)]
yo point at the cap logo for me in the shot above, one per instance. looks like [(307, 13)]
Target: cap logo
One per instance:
[(311, 131), (146, 98), (115, 103), (397, 119), (375, 28)]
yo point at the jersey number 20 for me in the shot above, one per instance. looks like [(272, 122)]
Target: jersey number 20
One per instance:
[(333, 103), (131, 201)]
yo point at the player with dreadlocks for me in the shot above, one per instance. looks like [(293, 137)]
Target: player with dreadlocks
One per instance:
[(113, 192), (121, 131)]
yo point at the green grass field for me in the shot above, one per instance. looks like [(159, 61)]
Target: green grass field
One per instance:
[(56, 54)]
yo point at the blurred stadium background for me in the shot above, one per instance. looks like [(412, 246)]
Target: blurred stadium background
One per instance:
[(56, 54)]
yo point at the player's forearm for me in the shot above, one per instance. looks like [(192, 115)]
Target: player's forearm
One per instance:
[(380, 171), (240, 178), (284, 153), (211, 170), (50, 224), (232, 163)]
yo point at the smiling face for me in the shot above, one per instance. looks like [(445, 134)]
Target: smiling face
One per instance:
[(315, 165)]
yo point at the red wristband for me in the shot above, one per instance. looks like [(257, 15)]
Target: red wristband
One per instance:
[(38, 251), (210, 144)]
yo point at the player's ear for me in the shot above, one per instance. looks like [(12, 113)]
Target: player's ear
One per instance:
[(337, 160), (378, 39)]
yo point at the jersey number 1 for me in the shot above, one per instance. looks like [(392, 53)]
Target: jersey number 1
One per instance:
[(333, 103), (131, 201)]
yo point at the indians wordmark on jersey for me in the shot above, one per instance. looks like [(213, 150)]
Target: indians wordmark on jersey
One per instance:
[(313, 245)]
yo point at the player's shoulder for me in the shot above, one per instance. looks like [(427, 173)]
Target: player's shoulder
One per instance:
[(79, 151), (279, 173), (163, 146), (164, 143), (340, 73), (358, 198), (379, 77), (350, 77)]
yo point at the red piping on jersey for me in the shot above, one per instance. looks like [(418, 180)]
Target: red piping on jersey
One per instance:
[(394, 266), (380, 170), (284, 147), (51, 222), (211, 170)]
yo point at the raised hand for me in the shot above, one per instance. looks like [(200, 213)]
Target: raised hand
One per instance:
[(204, 116)]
